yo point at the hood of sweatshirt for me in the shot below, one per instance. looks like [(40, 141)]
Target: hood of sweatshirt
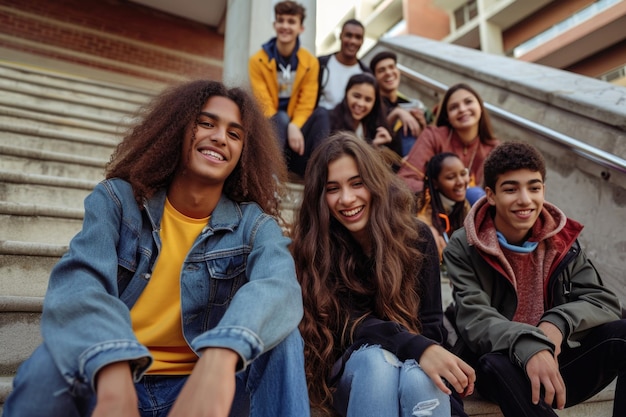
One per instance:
[(481, 230), (552, 224), (272, 52)]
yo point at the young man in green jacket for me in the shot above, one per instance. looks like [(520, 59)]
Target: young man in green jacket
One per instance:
[(533, 316)]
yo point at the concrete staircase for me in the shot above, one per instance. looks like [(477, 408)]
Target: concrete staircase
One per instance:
[(56, 134)]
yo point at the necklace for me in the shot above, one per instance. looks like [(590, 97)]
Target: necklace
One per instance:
[(465, 148)]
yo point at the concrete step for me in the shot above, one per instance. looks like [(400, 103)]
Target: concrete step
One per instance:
[(31, 223), (19, 324), (25, 267), (75, 110), (66, 93), (57, 81), (5, 388), (62, 94), (35, 161), (55, 231), (44, 190), (24, 117), (56, 135), (88, 144)]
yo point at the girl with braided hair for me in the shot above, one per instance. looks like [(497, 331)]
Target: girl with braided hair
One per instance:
[(443, 204)]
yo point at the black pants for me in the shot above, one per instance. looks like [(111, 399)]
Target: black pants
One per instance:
[(315, 130), (586, 370)]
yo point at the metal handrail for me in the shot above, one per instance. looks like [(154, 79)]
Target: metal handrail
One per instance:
[(592, 153)]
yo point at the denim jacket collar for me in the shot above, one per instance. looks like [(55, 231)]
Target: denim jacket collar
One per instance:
[(226, 216)]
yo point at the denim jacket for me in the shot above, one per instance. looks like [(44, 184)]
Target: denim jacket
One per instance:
[(238, 284)]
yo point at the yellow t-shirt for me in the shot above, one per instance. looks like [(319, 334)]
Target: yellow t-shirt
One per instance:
[(156, 316)]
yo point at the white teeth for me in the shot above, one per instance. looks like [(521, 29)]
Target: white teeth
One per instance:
[(213, 154), (350, 213), (523, 212)]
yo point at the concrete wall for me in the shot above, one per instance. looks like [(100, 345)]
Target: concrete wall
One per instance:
[(583, 108)]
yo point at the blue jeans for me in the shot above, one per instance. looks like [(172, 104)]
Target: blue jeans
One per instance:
[(376, 383), (273, 385), (585, 369)]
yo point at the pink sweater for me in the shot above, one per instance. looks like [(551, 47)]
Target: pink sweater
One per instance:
[(434, 140)]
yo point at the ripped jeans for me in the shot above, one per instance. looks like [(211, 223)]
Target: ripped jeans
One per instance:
[(376, 383)]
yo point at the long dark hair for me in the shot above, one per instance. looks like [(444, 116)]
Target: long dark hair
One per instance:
[(430, 195), (485, 131), (332, 266), (341, 117), (151, 151)]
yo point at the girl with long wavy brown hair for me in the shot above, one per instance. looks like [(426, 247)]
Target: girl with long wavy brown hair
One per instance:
[(369, 272)]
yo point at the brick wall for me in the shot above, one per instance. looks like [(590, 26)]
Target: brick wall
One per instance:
[(113, 35)]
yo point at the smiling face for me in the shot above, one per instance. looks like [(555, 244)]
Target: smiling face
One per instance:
[(518, 198), (351, 39), (348, 198), (288, 27), (361, 99), (464, 110), (212, 152), (453, 179), (388, 75)]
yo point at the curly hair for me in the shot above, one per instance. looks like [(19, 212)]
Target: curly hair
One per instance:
[(151, 151), (341, 117), (511, 156), (431, 196), (485, 131), (330, 263)]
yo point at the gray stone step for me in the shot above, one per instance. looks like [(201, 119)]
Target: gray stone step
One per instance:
[(35, 161), (78, 111), (56, 135), (64, 95), (57, 81), (25, 117), (43, 229), (31, 223), (44, 190), (19, 324), (26, 135), (5, 388), (24, 272)]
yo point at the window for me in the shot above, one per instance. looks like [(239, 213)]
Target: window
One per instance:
[(614, 74), (465, 13)]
